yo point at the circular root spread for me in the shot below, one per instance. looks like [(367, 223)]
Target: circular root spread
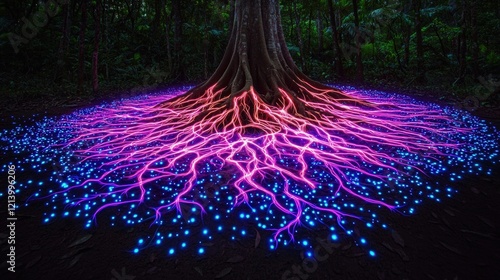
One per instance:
[(259, 143), (158, 162), (261, 135)]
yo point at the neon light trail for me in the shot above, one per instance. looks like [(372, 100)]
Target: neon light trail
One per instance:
[(223, 176)]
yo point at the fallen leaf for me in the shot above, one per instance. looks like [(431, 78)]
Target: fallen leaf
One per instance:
[(402, 254), (75, 260), (75, 252), (152, 257), (477, 233), (346, 246), (235, 259), (224, 272), (198, 270), (257, 239), (486, 221), (34, 261), (449, 212), (453, 249), (397, 238), (151, 270), (83, 239), (386, 245)]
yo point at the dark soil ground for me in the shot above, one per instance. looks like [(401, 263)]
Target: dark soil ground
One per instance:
[(455, 239)]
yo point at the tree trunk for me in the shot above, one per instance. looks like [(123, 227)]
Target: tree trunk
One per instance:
[(462, 46), (407, 33), (95, 55), (474, 39), (63, 43), (178, 53), (256, 71), (359, 59), (231, 17), (418, 34), (81, 53), (298, 31), (157, 17), (168, 46), (319, 24), (339, 68)]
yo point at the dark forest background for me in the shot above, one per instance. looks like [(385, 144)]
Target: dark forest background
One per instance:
[(67, 49)]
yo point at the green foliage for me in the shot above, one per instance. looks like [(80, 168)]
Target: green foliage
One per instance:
[(136, 37)]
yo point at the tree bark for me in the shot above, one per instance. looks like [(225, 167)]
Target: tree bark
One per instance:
[(256, 69), (298, 31), (474, 39), (157, 17), (178, 30), (97, 39), (419, 40), (319, 24), (359, 59), (63, 43), (339, 68), (407, 33), (81, 53)]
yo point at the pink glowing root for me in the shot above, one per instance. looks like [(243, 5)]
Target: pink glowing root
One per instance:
[(144, 134)]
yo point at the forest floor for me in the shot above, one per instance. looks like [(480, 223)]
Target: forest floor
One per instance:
[(58, 104), (455, 239)]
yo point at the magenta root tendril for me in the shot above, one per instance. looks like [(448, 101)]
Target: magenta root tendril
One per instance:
[(140, 164)]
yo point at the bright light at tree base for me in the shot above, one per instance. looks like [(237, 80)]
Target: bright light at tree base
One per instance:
[(136, 161)]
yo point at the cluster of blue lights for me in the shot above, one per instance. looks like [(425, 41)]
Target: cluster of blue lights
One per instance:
[(38, 147)]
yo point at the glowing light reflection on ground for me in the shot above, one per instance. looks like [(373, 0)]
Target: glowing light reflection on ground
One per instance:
[(122, 157)]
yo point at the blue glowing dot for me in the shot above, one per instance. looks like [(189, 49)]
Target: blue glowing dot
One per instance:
[(136, 250), (171, 251), (183, 245), (372, 253), (141, 241), (201, 251), (334, 237), (363, 241)]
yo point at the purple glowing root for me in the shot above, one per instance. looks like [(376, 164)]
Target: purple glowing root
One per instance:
[(145, 144)]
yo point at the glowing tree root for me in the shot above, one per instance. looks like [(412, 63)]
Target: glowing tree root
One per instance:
[(156, 140), (261, 119)]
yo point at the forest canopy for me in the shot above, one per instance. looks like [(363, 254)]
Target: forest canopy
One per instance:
[(90, 47)]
